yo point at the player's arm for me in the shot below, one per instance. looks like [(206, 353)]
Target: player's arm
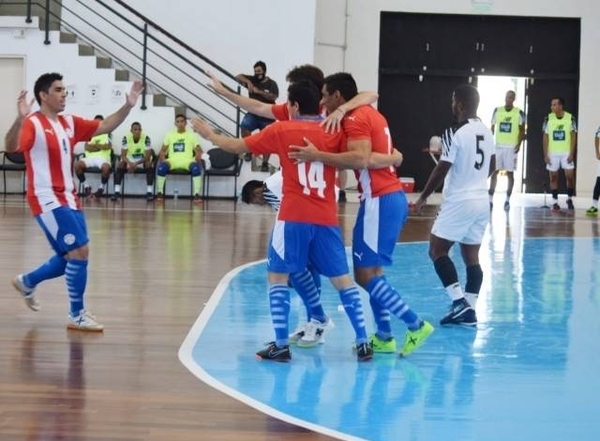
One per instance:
[(545, 147), (108, 145), (521, 137), (573, 145), (385, 160), (435, 180), (163, 153), (333, 122), (92, 147), (597, 145), (198, 153), (114, 120), (232, 145), (357, 156), (11, 140), (251, 105)]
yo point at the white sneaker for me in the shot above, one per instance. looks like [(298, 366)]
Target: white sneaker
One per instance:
[(297, 334), (26, 293), (85, 321), (314, 333)]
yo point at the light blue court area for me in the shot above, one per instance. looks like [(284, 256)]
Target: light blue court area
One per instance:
[(530, 371)]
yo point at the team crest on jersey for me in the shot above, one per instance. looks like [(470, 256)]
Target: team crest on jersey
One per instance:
[(69, 239)]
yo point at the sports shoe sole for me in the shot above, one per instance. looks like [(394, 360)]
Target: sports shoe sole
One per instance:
[(30, 301)]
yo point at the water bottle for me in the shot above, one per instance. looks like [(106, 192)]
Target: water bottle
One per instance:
[(175, 194)]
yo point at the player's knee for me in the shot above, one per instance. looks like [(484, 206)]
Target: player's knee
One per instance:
[(162, 169), (195, 169)]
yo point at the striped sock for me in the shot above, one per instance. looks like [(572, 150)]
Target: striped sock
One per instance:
[(279, 303), (350, 298), (76, 276), (304, 284), (389, 298)]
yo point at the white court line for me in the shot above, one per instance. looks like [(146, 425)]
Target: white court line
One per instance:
[(187, 359)]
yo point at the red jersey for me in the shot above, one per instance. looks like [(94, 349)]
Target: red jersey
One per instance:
[(282, 113), (48, 147), (308, 193), (365, 122)]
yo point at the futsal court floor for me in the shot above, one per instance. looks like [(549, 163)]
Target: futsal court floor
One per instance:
[(527, 371), (182, 292)]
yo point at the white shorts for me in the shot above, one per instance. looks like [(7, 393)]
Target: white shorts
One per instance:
[(463, 222), (94, 162), (506, 159), (559, 161)]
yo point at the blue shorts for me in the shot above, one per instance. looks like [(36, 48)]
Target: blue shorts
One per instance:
[(253, 122), (294, 244), (65, 229), (378, 225)]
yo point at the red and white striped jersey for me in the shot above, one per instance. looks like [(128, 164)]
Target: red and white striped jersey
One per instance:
[(48, 147)]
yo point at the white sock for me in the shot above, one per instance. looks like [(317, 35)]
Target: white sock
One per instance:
[(472, 298), (455, 291)]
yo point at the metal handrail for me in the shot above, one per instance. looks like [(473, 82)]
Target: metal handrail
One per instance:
[(164, 42)]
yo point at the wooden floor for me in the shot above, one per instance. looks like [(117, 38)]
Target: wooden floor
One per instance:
[(152, 268)]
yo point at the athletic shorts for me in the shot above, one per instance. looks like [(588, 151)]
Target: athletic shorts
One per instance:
[(294, 244), (378, 225), (65, 229), (95, 162), (463, 222), (506, 159), (559, 161)]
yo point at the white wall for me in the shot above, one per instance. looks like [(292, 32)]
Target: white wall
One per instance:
[(285, 33), (362, 55), (237, 33)]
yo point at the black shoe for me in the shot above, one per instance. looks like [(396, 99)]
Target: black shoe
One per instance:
[(272, 352), (460, 313), (149, 197), (570, 205), (99, 193), (555, 207), (264, 167), (115, 196), (248, 157), (364, 352), (342, 196)]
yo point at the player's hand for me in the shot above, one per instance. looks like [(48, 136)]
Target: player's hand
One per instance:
[(23, 105), (570, 159), (216, 85), (136, 90), (201, 127), (417, 206), (303, 153), (333, 122), (547, 159), (398, 157)]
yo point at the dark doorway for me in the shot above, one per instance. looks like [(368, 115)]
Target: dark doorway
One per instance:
[(424, 56)]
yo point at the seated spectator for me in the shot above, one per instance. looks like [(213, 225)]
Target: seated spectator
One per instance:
[(180, 151), (98, 153), (264, 89), (136, 153)]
